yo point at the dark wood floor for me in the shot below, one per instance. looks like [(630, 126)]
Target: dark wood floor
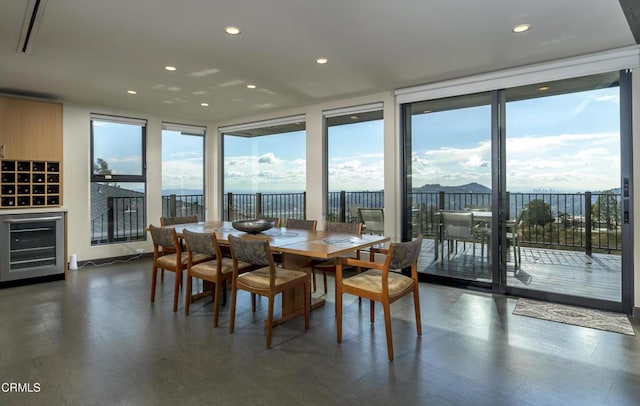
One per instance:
[(567, 272), (96, 340)]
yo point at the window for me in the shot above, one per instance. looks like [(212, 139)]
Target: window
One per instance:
[(355, 161), (182, 170), (118, 179), (265, 169)]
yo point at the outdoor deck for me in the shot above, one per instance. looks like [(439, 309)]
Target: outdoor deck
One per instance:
[(558, 271)]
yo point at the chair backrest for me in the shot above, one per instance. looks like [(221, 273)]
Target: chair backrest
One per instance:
[(354, 213), (457, 225), (372, 220), (164, 237), (201, 243), (276, 220), (345, 228), (170, 221), (253, 250), (404, 254), (301, 224)]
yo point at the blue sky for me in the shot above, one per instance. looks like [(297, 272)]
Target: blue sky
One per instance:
[(559, 143), (562, 143)]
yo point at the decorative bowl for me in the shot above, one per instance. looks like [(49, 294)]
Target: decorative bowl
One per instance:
[(253, 226)]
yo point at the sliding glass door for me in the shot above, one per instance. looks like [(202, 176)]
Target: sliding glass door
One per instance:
[(449, 196), (525, 190), (563, 174)]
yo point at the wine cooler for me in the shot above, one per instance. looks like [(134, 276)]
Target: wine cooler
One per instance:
[(32, 245)]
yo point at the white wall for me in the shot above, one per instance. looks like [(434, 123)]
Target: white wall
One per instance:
[(77, 155)]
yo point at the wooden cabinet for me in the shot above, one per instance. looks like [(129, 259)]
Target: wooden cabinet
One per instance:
[(30, 153), (30, 130)]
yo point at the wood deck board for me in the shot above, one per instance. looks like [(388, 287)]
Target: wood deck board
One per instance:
[(558, 271)]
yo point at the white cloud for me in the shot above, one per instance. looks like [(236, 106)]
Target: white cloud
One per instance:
[(268, 158), (568, 162)]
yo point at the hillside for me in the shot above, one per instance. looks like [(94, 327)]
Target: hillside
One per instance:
[(468, 188)]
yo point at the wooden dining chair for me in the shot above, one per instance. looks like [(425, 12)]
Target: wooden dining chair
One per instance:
[(276, 220), (380, 284), (172, 221), (266, 281), (301, 224), (217, 270), (167, 254), (330, 264)]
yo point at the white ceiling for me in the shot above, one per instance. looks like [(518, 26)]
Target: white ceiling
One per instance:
[(93, 51)]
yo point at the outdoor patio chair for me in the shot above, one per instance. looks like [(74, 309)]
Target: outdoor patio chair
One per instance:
[(458, 226), (372, 220)]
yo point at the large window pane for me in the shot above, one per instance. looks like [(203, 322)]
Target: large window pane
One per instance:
[(118, 181), (355, 165), (182, 173), (265, 172), (451, 171), (563, 162), (117, 148)]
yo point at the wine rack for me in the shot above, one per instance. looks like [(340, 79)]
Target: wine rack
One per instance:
[(29, 184)]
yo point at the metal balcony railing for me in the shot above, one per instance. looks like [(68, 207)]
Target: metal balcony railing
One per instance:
[(124, 219), (575, 221)]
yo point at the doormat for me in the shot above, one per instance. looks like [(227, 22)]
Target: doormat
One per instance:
[(577, 316)]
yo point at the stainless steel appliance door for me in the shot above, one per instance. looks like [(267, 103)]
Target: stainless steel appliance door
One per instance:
[(32, 245)]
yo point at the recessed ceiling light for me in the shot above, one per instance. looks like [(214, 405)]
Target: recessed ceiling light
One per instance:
[(132, 92), (204, 104), (170, 68), (251, 86), (427, 111), (521, 28), (231, 30), (322, 61), (543, 88)]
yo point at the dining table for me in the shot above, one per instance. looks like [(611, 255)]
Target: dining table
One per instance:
[(298, 248)]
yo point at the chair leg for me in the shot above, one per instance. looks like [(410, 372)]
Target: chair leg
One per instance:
[(324, 278), (232, 316), (154, 276), (372, 309), (270, 321), (162, 275), (339, 313), (387, 327), (216, 303), (187, 295), (416, 304), (253, 302), (313, 276), (307, 305), (176, 290)]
